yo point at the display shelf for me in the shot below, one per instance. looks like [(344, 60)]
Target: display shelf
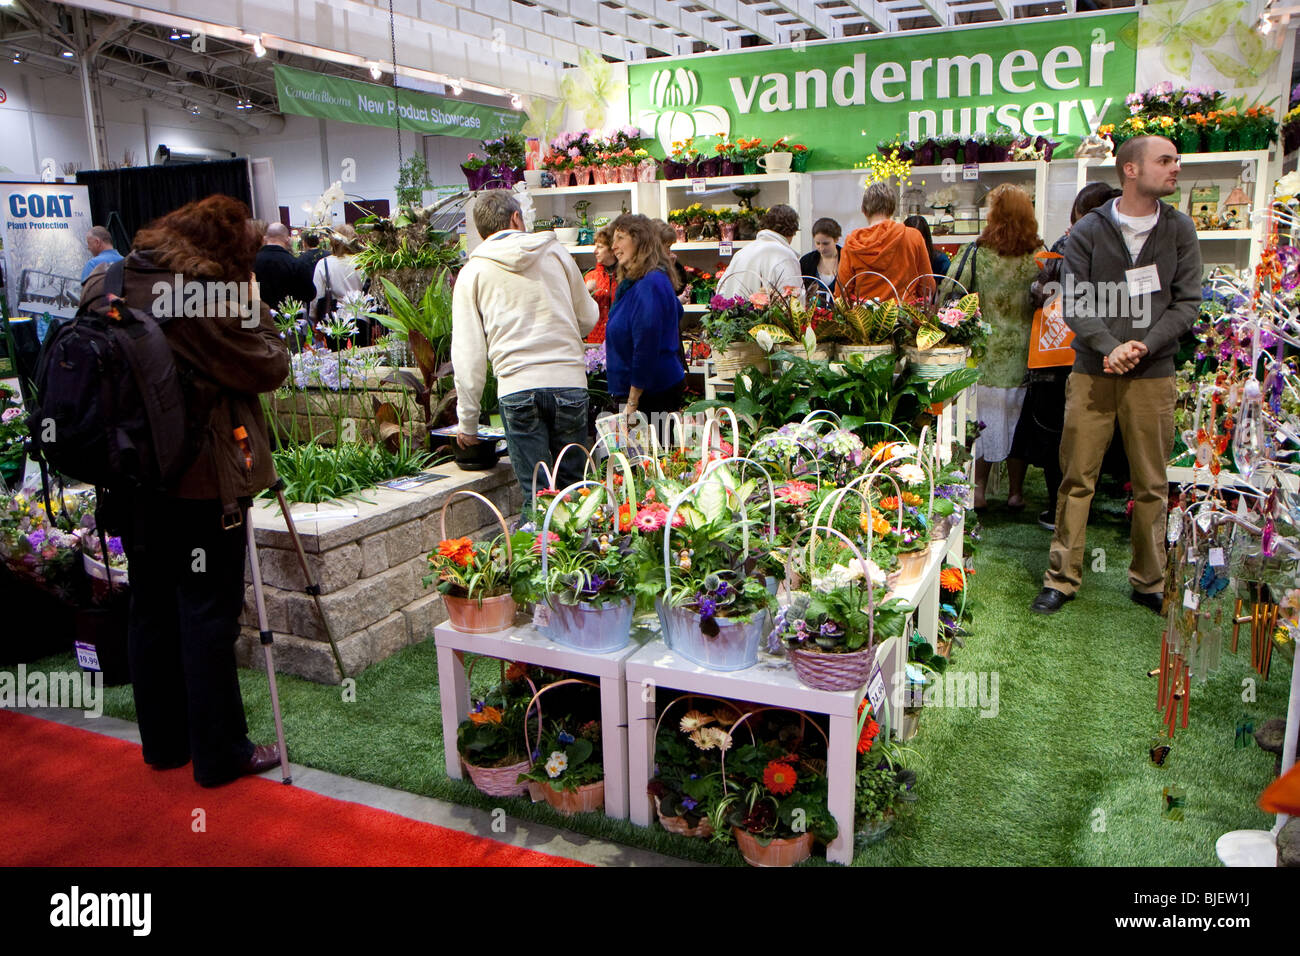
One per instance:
[(705, 246), (694, 309), (1230, 235), (1016, 166), (1031, 173), (791, 189), (540, 192), (526, 644), (720, 182)]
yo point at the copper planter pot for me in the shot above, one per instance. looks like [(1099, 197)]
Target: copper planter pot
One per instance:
[(480, 617), (776, 853)]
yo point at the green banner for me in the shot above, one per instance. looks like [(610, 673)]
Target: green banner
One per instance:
[(1060, 79), (349, 101)]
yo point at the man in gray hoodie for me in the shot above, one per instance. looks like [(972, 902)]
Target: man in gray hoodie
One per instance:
[(521, 304), (1131, 288)]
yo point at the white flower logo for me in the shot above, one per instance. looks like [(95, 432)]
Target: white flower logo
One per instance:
[(671, 89)]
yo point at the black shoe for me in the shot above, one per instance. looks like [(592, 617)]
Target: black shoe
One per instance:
[(1152, 601), (1047, 520), (1049, 601)]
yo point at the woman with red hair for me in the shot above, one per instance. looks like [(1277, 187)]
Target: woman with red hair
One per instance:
[(186, 542), (1000, 267)]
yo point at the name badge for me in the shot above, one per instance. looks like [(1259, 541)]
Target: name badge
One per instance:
[(1143, 280)]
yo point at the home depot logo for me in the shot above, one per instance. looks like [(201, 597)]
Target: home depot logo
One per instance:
[(676, 115)]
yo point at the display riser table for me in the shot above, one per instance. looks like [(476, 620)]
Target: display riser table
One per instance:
[(524, 643), (772, 682)]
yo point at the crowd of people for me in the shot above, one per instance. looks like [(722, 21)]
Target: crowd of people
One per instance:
[(522, 306)]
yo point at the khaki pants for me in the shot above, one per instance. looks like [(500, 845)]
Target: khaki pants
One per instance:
[(1145, 409)]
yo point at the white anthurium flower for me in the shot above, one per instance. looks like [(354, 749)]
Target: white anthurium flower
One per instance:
[(764, 340), (809, 341), (903, 449)]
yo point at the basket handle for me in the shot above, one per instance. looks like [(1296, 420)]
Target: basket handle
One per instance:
[(846, 294), (937, 286), (839, 495), (553, 471), (803, 719), (690, 697), (544, 541), (774, 438), (711, 423), (505, 530), (469, 674), (866, 570), (537, 696)]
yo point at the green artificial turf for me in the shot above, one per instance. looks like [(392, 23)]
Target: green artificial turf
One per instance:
[(1060, 776)]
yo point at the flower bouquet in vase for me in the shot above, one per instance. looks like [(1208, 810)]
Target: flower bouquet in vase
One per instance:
[(567, 767), (480, 580)]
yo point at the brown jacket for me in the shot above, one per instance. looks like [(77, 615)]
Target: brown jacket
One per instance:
[(227, 367)]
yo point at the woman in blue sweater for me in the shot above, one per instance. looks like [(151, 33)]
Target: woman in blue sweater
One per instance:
[(643, 346)]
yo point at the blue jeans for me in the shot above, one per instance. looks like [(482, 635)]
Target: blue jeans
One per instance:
[(538, 423)]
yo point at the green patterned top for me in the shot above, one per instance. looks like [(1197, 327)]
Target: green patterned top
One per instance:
[(1003, 286)]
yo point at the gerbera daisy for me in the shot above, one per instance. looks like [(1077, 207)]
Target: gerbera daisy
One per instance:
[(868, 736), (792, 495), (695, 720), (952, 579), (516, 670), (488, 715), (625, 517), (703, 739), (882, 451), (914, 501), (459, 550), (651, 519), (780, 778), (726, 717), (889, 503), (550, 536)]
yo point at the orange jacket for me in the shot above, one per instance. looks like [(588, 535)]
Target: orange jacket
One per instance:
[(891, 249)]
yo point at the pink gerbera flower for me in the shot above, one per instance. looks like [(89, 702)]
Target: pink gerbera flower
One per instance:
[(650, 520)]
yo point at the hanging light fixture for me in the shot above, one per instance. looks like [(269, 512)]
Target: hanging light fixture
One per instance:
[(68, 54), (516, 100), (375, 71), (19, 56), (456, 88), (259, 49)]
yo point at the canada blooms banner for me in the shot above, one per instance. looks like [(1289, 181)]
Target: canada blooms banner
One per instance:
[(350, 101), (1060, 78), (44, 226)]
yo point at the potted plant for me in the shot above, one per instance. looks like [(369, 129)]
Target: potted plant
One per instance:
[(13, 440), (560, 165), (688, 780), (480, 580), (748, 151), (728, 165), (646, 166), (700, 223), (685, 160), (775, 800), (678, 219), (712, 598), (1259, 127), (725, 327), (476, 171), (567, 768), (799, 158), (907, 522), (882, 785), (938, 339), (490, 740), (947, 147), (587, 575), (868, 326), (923, 152), (1000, 141)]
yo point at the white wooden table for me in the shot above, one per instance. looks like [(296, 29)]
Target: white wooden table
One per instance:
[(772, 682), (526, 644)]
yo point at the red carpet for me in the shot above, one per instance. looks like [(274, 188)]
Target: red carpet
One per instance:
[(70, 797)]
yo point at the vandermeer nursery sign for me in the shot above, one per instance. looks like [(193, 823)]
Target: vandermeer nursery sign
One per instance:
[(350, 101), (1060, 79)]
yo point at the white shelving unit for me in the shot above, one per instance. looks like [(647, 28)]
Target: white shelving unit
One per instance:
[(792, 189), (1031, 175), (1237, 248), (608, 200)]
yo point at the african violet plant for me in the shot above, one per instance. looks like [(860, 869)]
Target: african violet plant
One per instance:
[(590, 551)]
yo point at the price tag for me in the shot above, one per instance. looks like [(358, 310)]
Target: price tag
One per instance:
[(970, 171), (87, 656), (724, 247), (1191, 600), (541, 616), (697, 185), (1216, 557), (876, 691)]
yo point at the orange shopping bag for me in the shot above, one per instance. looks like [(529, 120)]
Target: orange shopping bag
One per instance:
[(1050, 339)]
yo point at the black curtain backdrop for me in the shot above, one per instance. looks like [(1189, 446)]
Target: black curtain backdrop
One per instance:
[(124, 200)]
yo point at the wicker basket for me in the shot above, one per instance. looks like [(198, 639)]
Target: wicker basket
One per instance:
[(938, 362), (702, 831), (833, 672), (869, 353), (498, 781), (737, 357)]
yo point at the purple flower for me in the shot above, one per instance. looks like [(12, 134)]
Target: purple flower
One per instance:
[(115, 547), (595, 583), (706, 605), (564, 737), (36, 538), (689, 804), (830, 629), (722, 590)]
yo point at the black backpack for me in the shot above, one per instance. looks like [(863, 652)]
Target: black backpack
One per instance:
[(110, 407)]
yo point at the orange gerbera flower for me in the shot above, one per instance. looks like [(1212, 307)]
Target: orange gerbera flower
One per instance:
[(488, 715), (624, 517), (459, 550), (911, 499), (780, 778), (890, 503), (952, 579), (882, 451), (874, 521), (516, 670)]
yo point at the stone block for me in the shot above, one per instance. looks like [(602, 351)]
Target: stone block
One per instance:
[(405, 542), (277, 602), (358, 606), (423, 615), (374, 555), (386, 637), (334, 569)]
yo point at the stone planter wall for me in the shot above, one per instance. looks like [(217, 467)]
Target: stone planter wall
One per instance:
[(369, 569)]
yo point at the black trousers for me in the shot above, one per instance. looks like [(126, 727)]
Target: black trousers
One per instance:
[(187, 590)]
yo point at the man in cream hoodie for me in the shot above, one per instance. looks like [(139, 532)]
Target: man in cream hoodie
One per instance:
[(521, 304)]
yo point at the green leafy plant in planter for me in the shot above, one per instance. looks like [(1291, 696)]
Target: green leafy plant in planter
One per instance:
[(475, 570), (568, 756), (589, 552), (493, 733), (412, 181), (773, 793), (314, 473)]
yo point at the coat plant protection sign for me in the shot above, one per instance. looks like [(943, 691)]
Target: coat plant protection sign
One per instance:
[(350, 101), (1061, 79)]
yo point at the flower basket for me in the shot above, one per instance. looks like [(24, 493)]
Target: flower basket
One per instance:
[(710, 168), (99, 577), (733, 649), (599, 175), (595, 630), (777, 852), (672, 169), (582, 175), (729, 167), (646, 170), (1189, 141), (799, 164), (498, 781), (702, 831), (912, 564), (750, 167), (1233, 143), (586, 799), (834, 672), (738, 356), (476, 177), (626, 174), (474, 615), (925, 154), (937, 362), (844, 351), (949, 151), (692, 169)]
